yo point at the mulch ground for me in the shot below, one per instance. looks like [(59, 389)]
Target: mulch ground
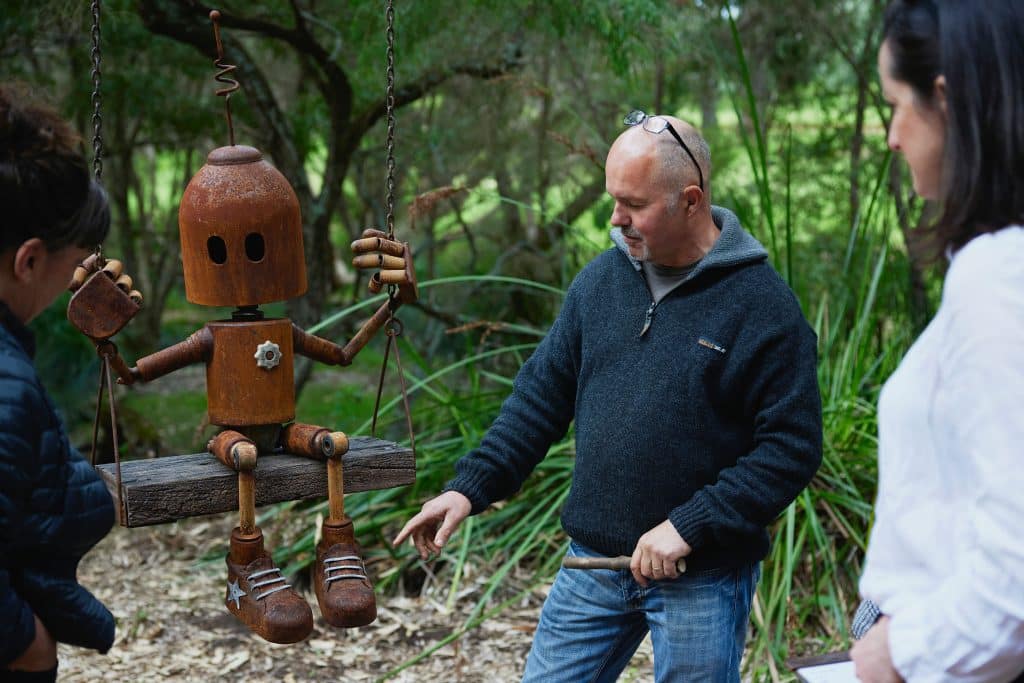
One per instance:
[(172, 625)]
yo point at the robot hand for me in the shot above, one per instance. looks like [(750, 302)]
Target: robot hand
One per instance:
[(103, 301), (375, 250)]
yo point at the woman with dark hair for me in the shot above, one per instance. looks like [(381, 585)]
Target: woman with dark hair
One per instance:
[(945, 564), (53, 506)]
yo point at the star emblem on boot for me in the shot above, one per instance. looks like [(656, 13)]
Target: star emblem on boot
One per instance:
[(234, 592)]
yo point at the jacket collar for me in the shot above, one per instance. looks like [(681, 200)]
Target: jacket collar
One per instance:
[(17, 329), (733, 247)]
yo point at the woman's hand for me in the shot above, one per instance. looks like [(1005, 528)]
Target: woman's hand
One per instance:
[(41, 654), (871, 656)]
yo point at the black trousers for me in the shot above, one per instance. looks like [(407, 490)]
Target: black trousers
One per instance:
[(8, 676)]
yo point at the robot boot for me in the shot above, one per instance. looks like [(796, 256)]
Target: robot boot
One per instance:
[(260, 596), (342, 586)]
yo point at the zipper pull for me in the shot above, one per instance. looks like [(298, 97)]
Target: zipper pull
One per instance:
[(648, 318)]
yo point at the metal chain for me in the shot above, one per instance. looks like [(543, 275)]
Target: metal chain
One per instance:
[(390, 102), (106, 380), (393, 327), (97, 120)]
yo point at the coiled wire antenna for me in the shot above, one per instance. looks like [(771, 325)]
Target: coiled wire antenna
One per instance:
[(223, 76)]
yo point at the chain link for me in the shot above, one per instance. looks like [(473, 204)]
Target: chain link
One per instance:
[(390, 102), (97, 120)]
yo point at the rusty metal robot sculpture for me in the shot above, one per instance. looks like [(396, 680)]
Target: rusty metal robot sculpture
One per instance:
[(241, 241)]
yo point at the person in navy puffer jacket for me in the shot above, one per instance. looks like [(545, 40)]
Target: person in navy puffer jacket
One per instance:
[(53, 506)]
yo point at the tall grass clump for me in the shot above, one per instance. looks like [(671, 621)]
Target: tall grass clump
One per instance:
[(808, 588)]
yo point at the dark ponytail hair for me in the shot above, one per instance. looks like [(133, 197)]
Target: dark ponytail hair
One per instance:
[(978, 47), (46, 190)]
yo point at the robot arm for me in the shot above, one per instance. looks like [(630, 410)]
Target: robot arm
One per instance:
[(196, 349), (373, 250), (325, 351), (102, 304)]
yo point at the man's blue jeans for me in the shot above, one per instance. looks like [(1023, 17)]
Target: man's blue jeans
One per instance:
[(594, 620)]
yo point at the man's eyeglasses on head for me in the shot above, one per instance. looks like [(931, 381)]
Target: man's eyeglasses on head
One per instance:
[(658, 124)]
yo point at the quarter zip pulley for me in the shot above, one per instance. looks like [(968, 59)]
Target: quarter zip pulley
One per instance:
[(648, 318)]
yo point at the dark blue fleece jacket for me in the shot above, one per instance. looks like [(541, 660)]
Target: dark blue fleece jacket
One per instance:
[(711, 419), (53, 508)]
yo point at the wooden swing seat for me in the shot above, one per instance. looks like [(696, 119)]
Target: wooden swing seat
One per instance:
[(161, 490)]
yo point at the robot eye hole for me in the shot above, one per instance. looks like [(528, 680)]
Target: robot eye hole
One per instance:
[(255, 247), (217, 250)]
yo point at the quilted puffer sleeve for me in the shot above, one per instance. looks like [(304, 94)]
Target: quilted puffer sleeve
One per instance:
[(17, 467), (71, 613), (53, 509)]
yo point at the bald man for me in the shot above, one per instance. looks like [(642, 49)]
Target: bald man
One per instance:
[(689, 370)]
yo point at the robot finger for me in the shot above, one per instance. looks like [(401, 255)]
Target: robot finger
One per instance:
[(394, 277), (113, 268), (378, 244), (93, 262), (83, 270), (78, 279), (124, 282), (379, 260), (375, 284)]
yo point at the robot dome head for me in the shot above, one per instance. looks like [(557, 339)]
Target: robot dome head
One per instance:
[(241, 232)]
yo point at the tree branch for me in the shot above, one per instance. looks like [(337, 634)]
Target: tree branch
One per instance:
[(414, 90)]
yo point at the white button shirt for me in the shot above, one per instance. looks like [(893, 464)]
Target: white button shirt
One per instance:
[(946, 556)]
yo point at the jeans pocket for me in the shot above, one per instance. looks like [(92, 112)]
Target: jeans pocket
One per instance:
[(580, 550), (710, 575)]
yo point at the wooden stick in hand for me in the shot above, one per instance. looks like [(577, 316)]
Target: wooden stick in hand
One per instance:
[(620, 562)]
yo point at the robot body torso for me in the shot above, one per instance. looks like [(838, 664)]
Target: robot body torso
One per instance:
[(249, 375)]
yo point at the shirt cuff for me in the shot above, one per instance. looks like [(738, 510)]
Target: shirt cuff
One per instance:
[(692, 521), (472, 489), (907, 644)]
